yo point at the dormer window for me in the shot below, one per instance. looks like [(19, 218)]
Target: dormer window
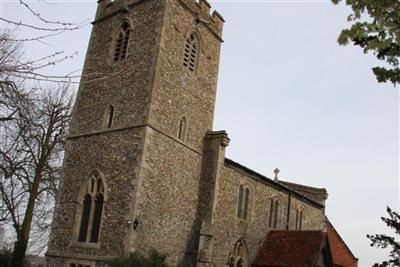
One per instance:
[(122, 42), (191, 54)]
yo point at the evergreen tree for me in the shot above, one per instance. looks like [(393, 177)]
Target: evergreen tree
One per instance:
[(384, 241), (376, 28)]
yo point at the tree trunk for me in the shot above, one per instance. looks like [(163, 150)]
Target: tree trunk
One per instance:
[(40, 140), (21, 244), (23, 237), (19, 252)]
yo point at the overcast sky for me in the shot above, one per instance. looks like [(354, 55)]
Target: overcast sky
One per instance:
[(289, 97)]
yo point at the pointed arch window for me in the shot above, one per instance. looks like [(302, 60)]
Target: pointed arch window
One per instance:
[(238, 257), (273, 213), (122, 42), (182, 129), (191, 53), (244, 202), (109, 117), (92, 210), (299, 220)]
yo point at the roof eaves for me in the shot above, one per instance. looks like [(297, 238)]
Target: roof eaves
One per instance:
[(277, 185), (306, 187)]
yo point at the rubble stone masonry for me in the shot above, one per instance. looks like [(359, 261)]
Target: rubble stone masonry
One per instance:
[(164, 190)]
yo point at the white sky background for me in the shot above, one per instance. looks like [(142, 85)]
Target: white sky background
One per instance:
[(289, 97)]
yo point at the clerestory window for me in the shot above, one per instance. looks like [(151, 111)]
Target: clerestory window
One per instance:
[(122, 42)]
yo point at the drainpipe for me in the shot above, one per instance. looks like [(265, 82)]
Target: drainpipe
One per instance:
[(288, 211)]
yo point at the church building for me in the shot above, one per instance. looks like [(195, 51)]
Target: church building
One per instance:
[(144, 170)]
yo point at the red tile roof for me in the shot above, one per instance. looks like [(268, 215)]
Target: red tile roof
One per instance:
[(341, 254), (290, 249)]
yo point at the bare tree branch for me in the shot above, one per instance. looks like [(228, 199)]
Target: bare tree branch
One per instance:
[(31, 150)]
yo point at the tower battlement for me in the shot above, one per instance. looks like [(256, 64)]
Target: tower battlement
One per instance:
[(109, 7), (201, 9)]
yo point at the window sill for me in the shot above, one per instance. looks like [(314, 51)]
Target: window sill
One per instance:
[(248, 220), (85, 245)]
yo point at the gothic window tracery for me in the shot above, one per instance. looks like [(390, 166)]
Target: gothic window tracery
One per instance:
[(92, 210), (122, 42), (244, 202), (238, 258), (191, 53)]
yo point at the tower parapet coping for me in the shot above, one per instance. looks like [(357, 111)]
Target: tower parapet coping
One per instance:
[(202, 11), (107, 8)]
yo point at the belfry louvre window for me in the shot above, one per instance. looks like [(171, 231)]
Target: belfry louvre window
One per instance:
[(191, 54), (122, 42), (244, 198), (92, 210)]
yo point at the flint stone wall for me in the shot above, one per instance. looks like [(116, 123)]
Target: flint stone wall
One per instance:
[(228, 228)]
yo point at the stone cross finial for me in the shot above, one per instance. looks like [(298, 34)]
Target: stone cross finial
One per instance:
[(276, 171)]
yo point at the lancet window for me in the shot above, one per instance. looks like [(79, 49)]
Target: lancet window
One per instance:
[(182, 129), (299, 219), (273, 213), (244, 202), (109, 117)]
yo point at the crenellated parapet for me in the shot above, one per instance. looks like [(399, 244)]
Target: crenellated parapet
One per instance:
[(202, 11), (107, 7)]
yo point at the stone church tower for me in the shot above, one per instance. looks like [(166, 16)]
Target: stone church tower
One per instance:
[(133, 163)]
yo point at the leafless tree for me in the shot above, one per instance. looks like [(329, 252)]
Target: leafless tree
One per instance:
[(31, 150), (14, 65), (33, 127)]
